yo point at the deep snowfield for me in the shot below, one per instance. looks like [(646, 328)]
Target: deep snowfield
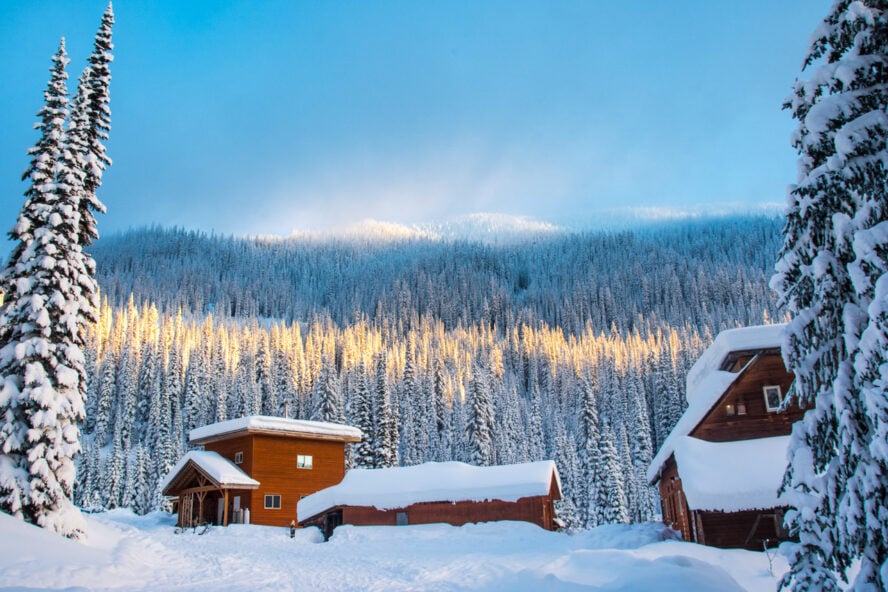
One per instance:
[(126, 552)]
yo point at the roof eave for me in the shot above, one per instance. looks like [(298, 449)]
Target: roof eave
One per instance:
[(266, 432)]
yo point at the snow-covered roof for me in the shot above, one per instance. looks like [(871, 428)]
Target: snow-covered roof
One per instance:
[(732, 476), (732, 340), (707, 383), (279, 425), (219, 469), (399, 487)]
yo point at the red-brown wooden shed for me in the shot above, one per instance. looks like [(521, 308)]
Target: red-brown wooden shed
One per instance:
[(450, 492)]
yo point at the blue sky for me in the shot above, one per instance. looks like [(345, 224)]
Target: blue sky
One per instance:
[(264, 117)]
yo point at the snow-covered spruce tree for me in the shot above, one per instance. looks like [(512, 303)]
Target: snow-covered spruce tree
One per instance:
[(327, 405), (568, 468), (828, 274), (90, 124), (386, 436), (362, 417), (869, 482), (42, 330), (589, 457), (479, 430), (610, 507)]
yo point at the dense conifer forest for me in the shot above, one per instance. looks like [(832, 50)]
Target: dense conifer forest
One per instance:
[(568, 346)]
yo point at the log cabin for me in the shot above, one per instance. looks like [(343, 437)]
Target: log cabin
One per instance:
[(449, 492), (255, 469), (720, 469)]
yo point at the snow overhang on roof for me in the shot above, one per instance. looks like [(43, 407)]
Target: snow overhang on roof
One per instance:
[(707, 383), (732, 476), (399, 487), (223, 473), (759, 337), (275, 425)]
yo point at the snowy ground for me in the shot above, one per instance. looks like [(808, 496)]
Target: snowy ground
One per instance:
[(126, 552)]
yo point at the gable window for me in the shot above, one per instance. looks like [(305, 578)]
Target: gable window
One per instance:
[(238, 458), (773, 397), (273, 501), (303, 461)]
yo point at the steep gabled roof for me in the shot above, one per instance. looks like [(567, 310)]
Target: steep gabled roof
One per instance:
[(262, 424), (707, 383), (709, 365), (218, 470), (399, 487)]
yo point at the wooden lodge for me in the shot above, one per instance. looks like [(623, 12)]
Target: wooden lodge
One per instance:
[(451, 492), (720, 469), (255, 469)]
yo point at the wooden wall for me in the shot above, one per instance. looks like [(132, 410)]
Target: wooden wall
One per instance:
[(527, 509), (271, 460), (758, 422), (675, 508), (537, 510), (748, 529)]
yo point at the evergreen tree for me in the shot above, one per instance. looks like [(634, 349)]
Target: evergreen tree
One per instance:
[(610, 506), (125, 427), (195, 410), (509, 443), (386, 437), (114, 474), (642, 505), (284, 386), (362, 418), (105, 403), (536, 440), (589, 444), (408, 449), (480, 427), (143, 492), (327, 396), (442, 411), (568, 466), (262, 365), (90, 124), (42, 330), (832, 260)]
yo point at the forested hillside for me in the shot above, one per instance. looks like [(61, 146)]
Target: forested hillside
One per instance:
[(565, 346)]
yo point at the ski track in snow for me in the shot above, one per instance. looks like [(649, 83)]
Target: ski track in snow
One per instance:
[(126, 552)]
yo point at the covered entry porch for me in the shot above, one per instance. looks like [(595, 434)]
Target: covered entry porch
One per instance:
[(210, 489)]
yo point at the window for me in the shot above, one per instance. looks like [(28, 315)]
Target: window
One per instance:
[(401, 519), (730, 410), (273, 502), (303, 461), (238, 458), (773, 397)]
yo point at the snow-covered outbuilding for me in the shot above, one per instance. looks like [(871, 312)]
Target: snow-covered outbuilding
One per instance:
[(721, 467), (450, 492), (257, 466)]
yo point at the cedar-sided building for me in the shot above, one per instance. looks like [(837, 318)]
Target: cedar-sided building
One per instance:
[(720, 469), (449, 492), (257, 467)]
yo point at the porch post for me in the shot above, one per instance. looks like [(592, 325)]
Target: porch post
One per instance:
[(224, 507)]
